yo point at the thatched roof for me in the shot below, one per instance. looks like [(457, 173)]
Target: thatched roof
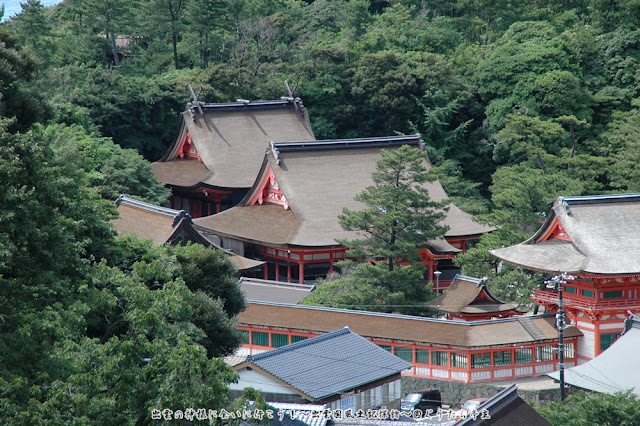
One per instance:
[(163, 225), (231, 140), (463, 296), (589, 235), (319, 179), (504, 331)]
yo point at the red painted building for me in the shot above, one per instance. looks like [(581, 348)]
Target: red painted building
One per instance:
[(289, 217), (595, 240), (469, 299), (219, 148), (464, 351)]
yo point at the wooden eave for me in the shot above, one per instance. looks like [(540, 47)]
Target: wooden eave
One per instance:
[(251, 365)]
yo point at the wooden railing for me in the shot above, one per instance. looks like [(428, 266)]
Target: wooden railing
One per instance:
[(584, 302)]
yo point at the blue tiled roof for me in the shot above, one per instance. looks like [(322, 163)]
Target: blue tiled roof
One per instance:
[(330, 364)]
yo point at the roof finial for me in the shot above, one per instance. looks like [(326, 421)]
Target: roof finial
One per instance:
[(195, 104)]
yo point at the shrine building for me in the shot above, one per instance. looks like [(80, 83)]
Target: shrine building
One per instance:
[(219, 148), (454, 350), (289, 217), (162, 225), (469, 299), (595, 240)]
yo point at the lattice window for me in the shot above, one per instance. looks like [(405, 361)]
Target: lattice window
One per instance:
[(458, 360), (524, 356), (259, 338), (278, 340), (403, 353), (422, 356), (440, 358), (502, 358), (544, 353), (482, 360), (606, 339)]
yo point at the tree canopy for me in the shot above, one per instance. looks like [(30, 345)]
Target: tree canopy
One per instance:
[(517, 103)]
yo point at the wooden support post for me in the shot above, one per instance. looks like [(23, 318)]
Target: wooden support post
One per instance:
[(289, 273), (301, 269)]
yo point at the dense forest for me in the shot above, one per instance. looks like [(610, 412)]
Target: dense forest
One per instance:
[(517, 102)]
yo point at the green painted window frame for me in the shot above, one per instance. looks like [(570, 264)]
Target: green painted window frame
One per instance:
[(260, 338), (295, 338), (403, 353), (544, 353), (523, 356), (502, 358), (587, 293), (612, 294), (607, 339), (459, 360), (440, 358), (482, 360), (385, 347), (422, 356), (278, 340), (244, 336), (569, 289)]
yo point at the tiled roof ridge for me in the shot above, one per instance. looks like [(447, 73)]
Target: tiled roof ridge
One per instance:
[(477, 281), (259, 281), (595, 199), (200, 107), (176, 214), (402, 316), (356, 143), (300, 344)]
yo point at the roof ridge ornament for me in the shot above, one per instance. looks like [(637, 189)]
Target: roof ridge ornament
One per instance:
[(297, 102), (275, 151), (196, 104)]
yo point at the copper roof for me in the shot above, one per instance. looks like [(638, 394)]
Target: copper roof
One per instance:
[(611, 371), (319, 179), (462, 297), (505, 331), (601, 237), (164, 225), (231, 140)]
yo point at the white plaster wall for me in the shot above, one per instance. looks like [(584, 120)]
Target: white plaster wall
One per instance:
[(257, 380), (586, 344)]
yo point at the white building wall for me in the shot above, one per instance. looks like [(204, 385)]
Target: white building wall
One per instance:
[(586, 344), (257, 380)]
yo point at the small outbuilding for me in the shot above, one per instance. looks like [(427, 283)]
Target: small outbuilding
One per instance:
[(469, 299), (341, 370)]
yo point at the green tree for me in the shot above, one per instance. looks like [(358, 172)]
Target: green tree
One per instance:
[(110, 169), (369, 287), (212, 272), (399, 217), (34, 29), (18, 95), (593, 408)]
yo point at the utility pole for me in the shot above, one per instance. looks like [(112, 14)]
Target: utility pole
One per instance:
[(560, 322), (560, 280)]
